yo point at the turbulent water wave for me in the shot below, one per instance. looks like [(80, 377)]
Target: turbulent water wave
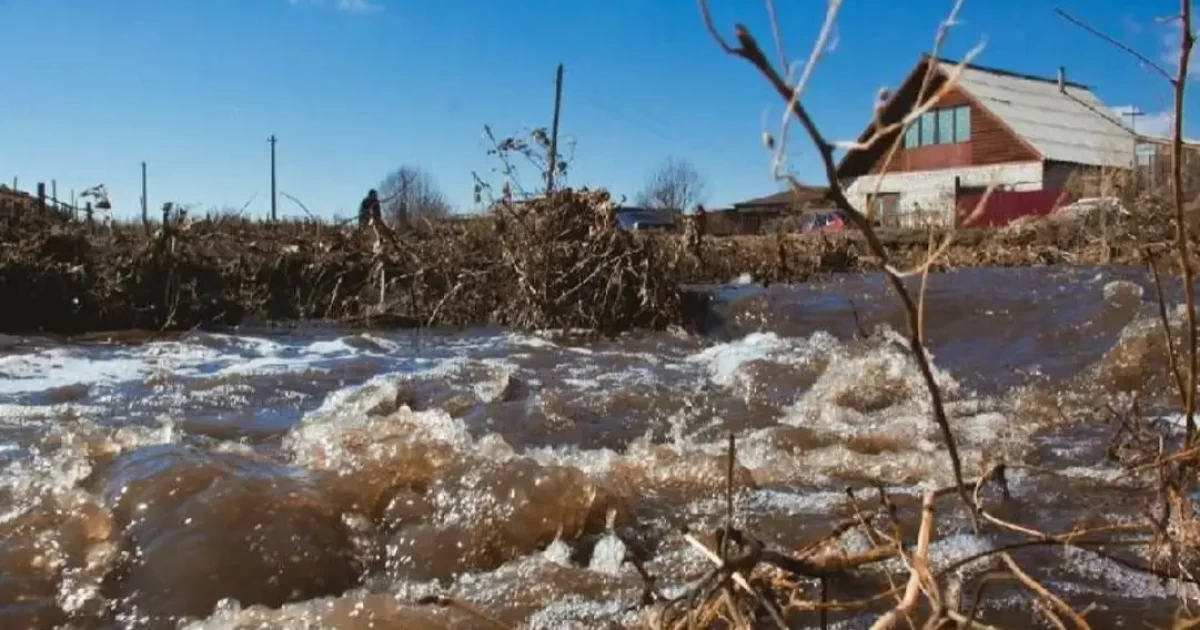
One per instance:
[(332, 479)]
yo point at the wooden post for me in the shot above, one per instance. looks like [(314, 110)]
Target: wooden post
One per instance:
[(552, 159), (88, 210), (41, 196), (54, 192), (957, 211)]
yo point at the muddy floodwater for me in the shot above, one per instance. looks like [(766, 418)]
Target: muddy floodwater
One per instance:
[(328, 478)]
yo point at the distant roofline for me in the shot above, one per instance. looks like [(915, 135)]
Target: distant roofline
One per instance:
[(1010, 73), (805, 193)]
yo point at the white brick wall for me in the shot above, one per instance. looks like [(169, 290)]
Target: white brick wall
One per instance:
[(933, 191)]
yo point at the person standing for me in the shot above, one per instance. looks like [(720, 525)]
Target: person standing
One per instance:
[(370, 211)]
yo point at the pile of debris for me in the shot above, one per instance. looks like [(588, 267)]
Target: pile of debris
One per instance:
[(556, 262), (572, 266)]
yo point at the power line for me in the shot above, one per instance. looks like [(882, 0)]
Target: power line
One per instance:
[(656, 126)]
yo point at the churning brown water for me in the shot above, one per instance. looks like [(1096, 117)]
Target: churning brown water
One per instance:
[(331, 478)]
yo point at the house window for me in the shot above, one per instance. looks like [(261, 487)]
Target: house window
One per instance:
[(912, 135), (883, 206), (928, 123), (962, 124), (945, 120), (947, 125)]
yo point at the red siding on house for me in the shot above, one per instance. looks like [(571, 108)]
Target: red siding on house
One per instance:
[(1004, 207), (930, 158), (992, 141)]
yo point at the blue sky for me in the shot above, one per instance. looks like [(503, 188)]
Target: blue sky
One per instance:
[(356, 88)]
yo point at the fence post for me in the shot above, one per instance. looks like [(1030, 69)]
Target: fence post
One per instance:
[(87, 208), (41, 195)]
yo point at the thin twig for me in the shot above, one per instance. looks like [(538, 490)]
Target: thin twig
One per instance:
[(749, 50), (1188, 39), (732, 458), (1044, 593), (1172, 354), (918, 567)]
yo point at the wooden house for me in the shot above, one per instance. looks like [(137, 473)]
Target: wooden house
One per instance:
[(1028, 135)]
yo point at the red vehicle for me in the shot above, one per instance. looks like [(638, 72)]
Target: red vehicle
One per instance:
[(826, 222)]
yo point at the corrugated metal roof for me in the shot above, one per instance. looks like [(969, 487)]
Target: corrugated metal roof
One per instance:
[(1071, 125)]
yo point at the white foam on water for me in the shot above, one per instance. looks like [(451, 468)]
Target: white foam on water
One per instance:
[(529, 341), (60, 367), (851, 392), (791, 503), (1120, 288), (558, 552), (66, 457), (869, 391), (13, 415), (332, 347), (1122, 579), (578, 613), (725, 361), (208, 356), (608, 555)]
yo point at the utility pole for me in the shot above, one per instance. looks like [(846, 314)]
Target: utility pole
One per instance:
[(274, 207), (552, 162), (1133, 112), (145, 201)]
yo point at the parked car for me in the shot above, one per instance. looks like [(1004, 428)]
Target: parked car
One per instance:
[(640, 219), (826, 222)]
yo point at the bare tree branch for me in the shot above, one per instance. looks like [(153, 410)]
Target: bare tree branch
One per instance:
[(410, 194), (1188, 39), (749, 49), (675, 186)]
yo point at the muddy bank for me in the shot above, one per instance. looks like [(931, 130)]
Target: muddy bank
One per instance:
[(558, 263)]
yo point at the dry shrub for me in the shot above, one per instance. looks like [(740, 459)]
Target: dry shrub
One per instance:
[(572, 267)]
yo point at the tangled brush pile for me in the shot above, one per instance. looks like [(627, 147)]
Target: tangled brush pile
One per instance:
[(559, 262), (571, 266)]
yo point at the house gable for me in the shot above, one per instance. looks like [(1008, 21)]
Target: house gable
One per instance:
[(991, 140)]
